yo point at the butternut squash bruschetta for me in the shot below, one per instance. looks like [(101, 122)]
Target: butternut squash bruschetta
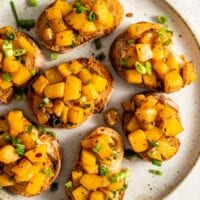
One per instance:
[(142, 55), (29, 159), (151, 123), (20, 59), (64, 25), (97, 173), (66, 95)]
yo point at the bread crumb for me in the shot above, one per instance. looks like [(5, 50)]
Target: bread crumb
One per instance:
[(129, 14)]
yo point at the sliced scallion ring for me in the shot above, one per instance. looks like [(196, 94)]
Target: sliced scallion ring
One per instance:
[(19, 52)]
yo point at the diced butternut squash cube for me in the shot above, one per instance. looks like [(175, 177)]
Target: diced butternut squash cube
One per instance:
[(133, 76), (36, 183), (47, 34), (165, 149), (161, 68), (22, 168), (172, 81), (97, 195), (99, 82), (133, 124), (146, 115), (37, 155), (54, 91), (76, 176), (53, 75), (87, 143), (64, 69), (138, 141), (138, 99), (75, 115), (64, 114), (80, 193), (88, 27), (72, 88), (53, 13), (90, 92), (17, 127), (40, 84), (85, 76), (144, 52), (64, 38), (76, 20), (63, 6), (172, 62), (150, 80), (158, 52), (139, 28), (27, 141), (116, 186), (167, 112), (93, 182), (5, 84), (21, 76), (8, 154), (58, 107), (10, 64), (154, 154), (5, 180), (149, 102), (25, 44), (153, 134), (188, 73), (172, 126), (57, 25), (75, 67), (42, 117)]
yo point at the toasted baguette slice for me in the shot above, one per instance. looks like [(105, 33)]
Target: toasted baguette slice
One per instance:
[(90, 161), (142, 55), (90, 96), (32, 139), (30, 62), (80, 27), (161, 133)]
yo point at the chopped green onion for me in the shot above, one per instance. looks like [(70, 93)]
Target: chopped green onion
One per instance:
[(46, 100), (120, 176), (92, 16), (47, 172), (162, 19), (79, 7), (19, 52), (148, 67), (7, 48), (20, 149), (103, 171), (154, 144), (125, 186), (88, 82), (73, 45), (7, 138), (41, 129), (33, 72), (29, 128), (51, 133), (101, 56), (156, 162), (7, 77), (156, 172), (19, 94), (10, 36), (82, 100), (54, 187), (97, 148), (16, 141), (54, 56), (124, 61), (115, 155), (131, 41), (129, 154), (68, 186), (14, 11), (140, 68), (57, 122), (33, 3), (98, 44)]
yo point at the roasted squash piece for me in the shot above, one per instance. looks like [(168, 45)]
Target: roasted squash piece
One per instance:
[(75, 115), (53, 75), (54, 91), (64, 38), (80, 193), (6, 180), (8, 154), (97, 196), (40, 84), (76, 176), (189, 74)]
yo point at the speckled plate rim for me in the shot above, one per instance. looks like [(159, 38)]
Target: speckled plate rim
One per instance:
[(197, 41)]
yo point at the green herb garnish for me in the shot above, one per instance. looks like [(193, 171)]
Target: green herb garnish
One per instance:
[(54, 187), (101, 56), (156, 162), (7, 138), (47, 172), (162, 19), (10, 36), (79, 7), (19, 52), (92, 16), (156, 172), (120, 176), (97, 148), (103, 171), (7, 48), (124, 61), (68, 186), (29, 128), (129, 154), (140, 68), (148, 67), (33, 72), (16, 141), (51, 133), (7, 77), (154, 144), (54, 56), (20, 149), (33, 3), (131, 41), (98, 44)]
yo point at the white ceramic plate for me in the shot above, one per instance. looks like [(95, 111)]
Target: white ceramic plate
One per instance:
[(142, 184)]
